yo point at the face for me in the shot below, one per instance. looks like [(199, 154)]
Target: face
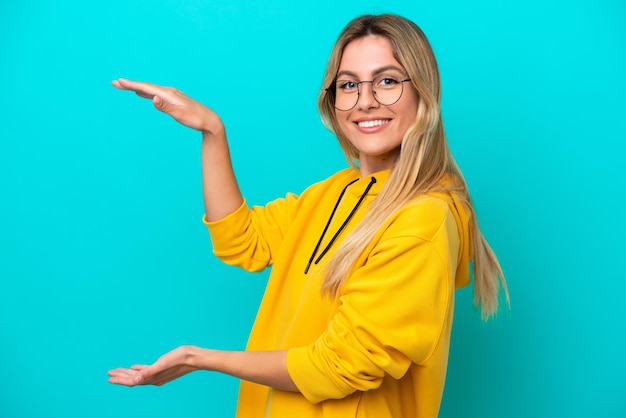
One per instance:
[(375, 130)]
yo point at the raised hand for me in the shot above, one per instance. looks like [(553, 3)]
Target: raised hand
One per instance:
[(175, 103)]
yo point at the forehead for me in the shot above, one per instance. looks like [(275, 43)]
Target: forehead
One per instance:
[(364, 56)]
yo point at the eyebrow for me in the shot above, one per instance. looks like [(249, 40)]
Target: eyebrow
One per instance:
[(374, 73)]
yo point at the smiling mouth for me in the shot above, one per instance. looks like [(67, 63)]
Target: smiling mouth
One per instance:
[(372, 123)]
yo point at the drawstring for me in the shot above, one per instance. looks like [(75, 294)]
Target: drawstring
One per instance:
[(332, 240)]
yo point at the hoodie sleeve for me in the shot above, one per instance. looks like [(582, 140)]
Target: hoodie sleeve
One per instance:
[(393, 311), (249, 237)]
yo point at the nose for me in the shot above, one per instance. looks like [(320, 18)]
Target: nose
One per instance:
[(367, 99)]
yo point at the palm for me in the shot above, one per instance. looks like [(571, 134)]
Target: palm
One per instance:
[(168, 367)]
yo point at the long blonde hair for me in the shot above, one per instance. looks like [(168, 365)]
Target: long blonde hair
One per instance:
[(424, 158)]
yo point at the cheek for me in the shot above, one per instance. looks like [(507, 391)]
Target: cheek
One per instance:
[(409, 115), (342, 121)]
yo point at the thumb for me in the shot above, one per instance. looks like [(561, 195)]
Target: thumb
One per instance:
[(159, 103), (138, 378)]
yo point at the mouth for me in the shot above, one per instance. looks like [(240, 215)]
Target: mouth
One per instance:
[(372, 123)]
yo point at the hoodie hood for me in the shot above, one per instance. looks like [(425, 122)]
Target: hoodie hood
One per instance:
[(372, 184), (462, 218)]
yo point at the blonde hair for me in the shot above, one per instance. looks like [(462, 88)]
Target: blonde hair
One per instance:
[(424, 158)]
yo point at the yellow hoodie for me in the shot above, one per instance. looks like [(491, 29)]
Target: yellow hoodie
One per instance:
[(380, 348)]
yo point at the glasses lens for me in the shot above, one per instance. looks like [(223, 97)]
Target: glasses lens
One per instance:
[(387, 89), (346, 94)]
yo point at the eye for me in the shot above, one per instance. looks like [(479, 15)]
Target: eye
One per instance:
[(387, 82), (347, 86)]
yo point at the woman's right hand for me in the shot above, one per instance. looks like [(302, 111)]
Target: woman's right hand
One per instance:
[(175, 103), (219, 185)]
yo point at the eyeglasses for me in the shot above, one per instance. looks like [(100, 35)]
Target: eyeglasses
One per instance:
[(386, 90)]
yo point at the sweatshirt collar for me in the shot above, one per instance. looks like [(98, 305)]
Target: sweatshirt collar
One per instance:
[(361, 184), (359, 187)]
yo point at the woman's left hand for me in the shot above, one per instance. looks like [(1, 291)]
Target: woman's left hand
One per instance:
[(168, 367), (267, 368)]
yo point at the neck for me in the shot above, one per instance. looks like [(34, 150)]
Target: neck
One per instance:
[(368, 166)]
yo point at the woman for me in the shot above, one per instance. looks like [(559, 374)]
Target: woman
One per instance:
[(357, 313)]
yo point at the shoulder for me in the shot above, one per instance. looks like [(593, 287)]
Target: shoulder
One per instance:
[(424, 218)]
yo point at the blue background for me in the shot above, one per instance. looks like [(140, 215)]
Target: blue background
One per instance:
[(104, 261)]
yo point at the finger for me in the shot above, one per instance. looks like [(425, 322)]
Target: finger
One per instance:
[(138, 366), (124, 381), (124, 84), (121, 372), (138, 86), (144, 95), (123, 377)]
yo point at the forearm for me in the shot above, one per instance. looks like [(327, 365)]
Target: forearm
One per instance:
[(219, 185), (267, 368)]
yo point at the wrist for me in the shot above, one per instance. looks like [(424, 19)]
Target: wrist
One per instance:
[(213, 127), (200, 358)]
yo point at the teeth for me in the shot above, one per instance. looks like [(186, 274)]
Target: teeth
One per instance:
[(372, 123)]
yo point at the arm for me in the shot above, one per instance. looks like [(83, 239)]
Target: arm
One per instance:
[(264, 367), (394, 311), (221, 191)]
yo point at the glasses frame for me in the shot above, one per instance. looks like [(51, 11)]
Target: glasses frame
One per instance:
[(333, 90)]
